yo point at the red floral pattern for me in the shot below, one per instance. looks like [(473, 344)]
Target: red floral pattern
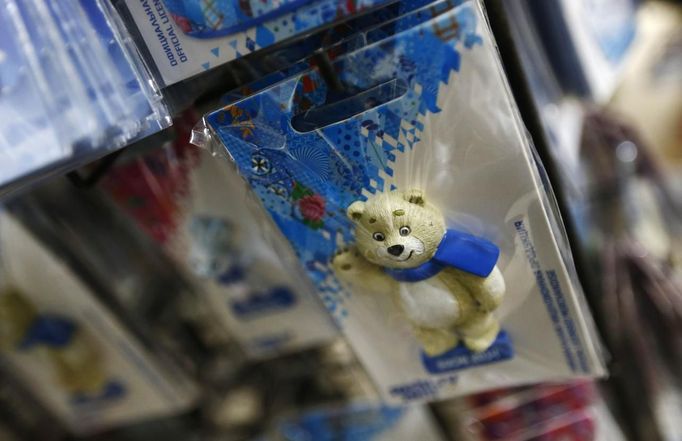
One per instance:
[(312, 207)]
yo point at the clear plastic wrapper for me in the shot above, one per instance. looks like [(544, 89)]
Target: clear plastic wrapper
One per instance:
[(412, 198), (302, 53), (34, 72), (329, 47), (70, 350), (248, 291), (297, 58), (88, 90), (178, 54)]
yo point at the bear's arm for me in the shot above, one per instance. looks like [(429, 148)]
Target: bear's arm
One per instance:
[(354, 270)]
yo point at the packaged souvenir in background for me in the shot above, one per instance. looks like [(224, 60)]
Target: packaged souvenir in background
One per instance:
[(320, 394), (404, 169), (649, 94), (214, 18), (361, 422), (171, 194), (587, 42), (123, 267), (296, 58), (170, 31), (90, 91), (69, 350), (569, 411), (21, 125), (515, 413)]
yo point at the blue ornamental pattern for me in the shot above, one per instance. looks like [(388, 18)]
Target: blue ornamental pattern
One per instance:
[(353, 35), (306, 180), (273, 20), (361, 423)]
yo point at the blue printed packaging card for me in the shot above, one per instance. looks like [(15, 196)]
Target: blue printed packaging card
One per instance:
[(213, 18), (183, 44), (361, 422), (404, 182), (297, 57)]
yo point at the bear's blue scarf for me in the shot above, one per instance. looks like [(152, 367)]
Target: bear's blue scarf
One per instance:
[(458, 250), (49, 330)]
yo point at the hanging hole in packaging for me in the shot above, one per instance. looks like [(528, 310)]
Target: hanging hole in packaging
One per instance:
[(342, 109)]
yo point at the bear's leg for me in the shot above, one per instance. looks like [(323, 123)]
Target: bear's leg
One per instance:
[(435, 341), (488, 292), (480, 331)]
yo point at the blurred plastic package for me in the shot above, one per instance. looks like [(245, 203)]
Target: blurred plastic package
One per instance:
[(70, 351)]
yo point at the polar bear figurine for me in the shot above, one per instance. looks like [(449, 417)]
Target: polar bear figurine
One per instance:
[(446, 282)]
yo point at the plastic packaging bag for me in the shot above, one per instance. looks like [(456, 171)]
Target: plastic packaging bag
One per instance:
[(32, 71), (248, 291), (71, 351), (179, 55), (294, 61), (419, 155), (89, 91), (300, 54)]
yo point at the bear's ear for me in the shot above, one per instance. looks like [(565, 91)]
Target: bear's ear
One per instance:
[(415, 196), (355, 210)]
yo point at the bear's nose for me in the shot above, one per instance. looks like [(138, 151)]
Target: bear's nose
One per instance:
[(396, 250)]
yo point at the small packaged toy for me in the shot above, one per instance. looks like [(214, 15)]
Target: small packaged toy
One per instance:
[(250, 294), (403, 180), (71, 352), (89, 91), (189, 37), (447, 281)]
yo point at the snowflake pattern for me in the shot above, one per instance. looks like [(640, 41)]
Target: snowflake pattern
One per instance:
[(260, 165)]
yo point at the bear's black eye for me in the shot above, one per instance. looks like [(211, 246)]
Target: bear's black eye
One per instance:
[(379, 237), (404, 231)]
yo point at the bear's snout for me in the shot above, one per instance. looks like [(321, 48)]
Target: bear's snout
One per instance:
[(395, 250)]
